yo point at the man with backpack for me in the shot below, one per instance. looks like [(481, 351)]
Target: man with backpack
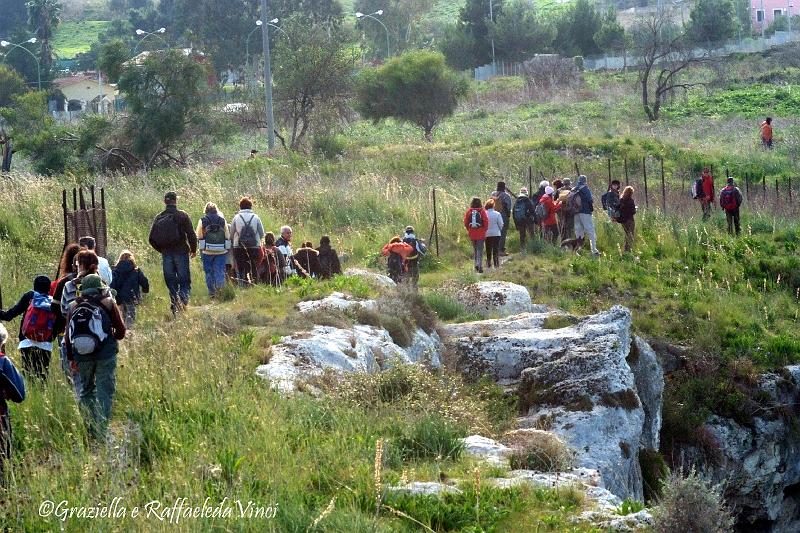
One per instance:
[(581, 203), (503, 204), (396, 252), (419, 251), (247, 234), (214, 240), (703, 190), (12, 387), (284, 245), (37, 330), (730, 199), (173, 236), (94, 327), (523, 216)]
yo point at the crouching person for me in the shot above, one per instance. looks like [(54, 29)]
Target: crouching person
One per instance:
[(12, 387), (94, 325)]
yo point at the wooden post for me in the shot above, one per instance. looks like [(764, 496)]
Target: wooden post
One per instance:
[(577, 170), (64, 210), (777, 195), (663, 189), (644, 173), (435, 227), (74, 199), (790, 190), (530, 178), (764, 187), (82, 199), (609, 172), (747, 185), (625, 166), (91, 193), (102, 198)]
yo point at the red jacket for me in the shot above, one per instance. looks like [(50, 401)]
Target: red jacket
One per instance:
[(552, 208), (708, 188), (400, 248), (477, 234)]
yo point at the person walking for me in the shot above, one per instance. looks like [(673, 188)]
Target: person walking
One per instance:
[(129, 282), (6, 152), (583, 205), (730, 199), (12, 387), (503, 204), (329, 259), (706, 192), (37, 328), (493, 234), (550, 222), (396, 252), (627, 211), (247, 232), (412, 261), (766, 133), (103, 267), (94, 327), (566, 217), (173, 236), (476, 220), (214, 239), (523, 216)]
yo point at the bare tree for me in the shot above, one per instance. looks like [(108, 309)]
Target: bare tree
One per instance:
[(665, 53)]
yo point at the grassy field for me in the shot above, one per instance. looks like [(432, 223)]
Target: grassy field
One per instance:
[(75, 36)]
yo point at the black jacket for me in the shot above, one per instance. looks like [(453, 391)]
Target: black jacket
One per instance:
[(306, 261), (328, 262), (188, 242), (627, 209), (129, 282)]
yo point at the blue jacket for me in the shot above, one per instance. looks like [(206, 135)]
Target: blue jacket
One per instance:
[(587, 203), (129, 282), (12, 386)]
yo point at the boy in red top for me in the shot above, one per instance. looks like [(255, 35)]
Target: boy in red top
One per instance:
[(707, 198), (766, 133), (476, 220), (550, 223)]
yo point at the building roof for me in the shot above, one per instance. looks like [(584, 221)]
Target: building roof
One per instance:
[(81, 77)]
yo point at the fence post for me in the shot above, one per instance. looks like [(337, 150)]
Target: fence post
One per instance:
[(747, 185), (577, 170), (764, 187), (530, 179), (435, 226), (644, 173), (609, 172), (663, 189), (777, 195), (625, 166), (790, 190)]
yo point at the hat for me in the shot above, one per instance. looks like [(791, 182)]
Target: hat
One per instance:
[(171, 196), (549, 190), (91, 283), (730, 180), (41, 284), (523, 192), (409, 229)]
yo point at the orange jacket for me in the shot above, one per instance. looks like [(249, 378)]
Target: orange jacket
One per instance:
[(400, 248), (766, 131)]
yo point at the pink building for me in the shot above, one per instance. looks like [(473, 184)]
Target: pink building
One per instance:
[(766, 11)]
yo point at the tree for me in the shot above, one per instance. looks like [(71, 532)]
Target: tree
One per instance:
[(324, 12), (402, 19), (666, 52), (458, 47), (416, 87), (576, 28), (44, 16), (611, 36), (11, 85), (313, 74), (14, 16), (111, 58), (23, 63), (743, 16), (474, 17), (712, 21), (518, 33), (169, 110)]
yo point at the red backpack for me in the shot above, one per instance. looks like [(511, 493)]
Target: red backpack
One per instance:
[(39, 321), (727, 199)]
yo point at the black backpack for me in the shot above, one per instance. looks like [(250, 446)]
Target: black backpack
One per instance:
[(521, 210), (247, 237), (539, 213), (214, 233), (697, 189), (89, 326), (395, 265), (166, 231)]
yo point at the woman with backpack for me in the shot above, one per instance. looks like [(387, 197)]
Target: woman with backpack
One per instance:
[(328, 259), (130, 282), (247, 232), (549, 222), (214, 242), (627, 210), (37, 330), (476, 220), (273, 264), (493, 235)]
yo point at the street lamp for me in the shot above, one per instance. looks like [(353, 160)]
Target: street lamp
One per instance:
[(379, 12), (247, 43), (273, 23), (32, 40), (491, 17), (147, 34)]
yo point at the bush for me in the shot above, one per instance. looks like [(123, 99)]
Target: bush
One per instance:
[(539, 450), (691, 504), (431, 437), (329, 146), (654, 472), (446, 308)]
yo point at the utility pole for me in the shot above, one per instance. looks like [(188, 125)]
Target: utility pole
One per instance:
[(267, 78), (491, 17)]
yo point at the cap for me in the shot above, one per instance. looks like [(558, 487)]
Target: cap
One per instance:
[(92, 282), (523, 191), (409, 229), (171, 196)]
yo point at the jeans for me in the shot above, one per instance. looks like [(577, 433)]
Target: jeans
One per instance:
[(178, 278), (503, 233), (128, 311), (98, 385), (412, 271), (67, 366), (36, 362), (523, 231), (585, 227), (477, 249), (630, 233), (493, 251), (214, 268), (733, 221)]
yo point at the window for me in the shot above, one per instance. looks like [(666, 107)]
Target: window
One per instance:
[(759, 16), (777, 13)]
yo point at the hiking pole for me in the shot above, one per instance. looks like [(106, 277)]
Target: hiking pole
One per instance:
[(644, 172), (530, 178)]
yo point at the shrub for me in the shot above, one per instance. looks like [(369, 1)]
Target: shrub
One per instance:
[(431, 437), (691, 504), (654, 472), (329, 146), (538, 450), (629, 507)]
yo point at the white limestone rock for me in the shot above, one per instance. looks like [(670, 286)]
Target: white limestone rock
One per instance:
[(496, 299), (337, 301), (374, 278)]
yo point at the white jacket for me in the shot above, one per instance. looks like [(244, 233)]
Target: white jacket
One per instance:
[(495, 223), (240, 220)]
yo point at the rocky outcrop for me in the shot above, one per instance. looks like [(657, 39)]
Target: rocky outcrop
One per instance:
[(574, 379), (759, 463), (335, 302), (373, 278), (497, 299), (358, 349)]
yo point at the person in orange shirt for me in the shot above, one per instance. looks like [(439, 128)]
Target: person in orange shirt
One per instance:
[(766, 133), (397, 251)]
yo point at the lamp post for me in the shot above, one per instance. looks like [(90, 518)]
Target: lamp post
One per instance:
[(273, 23), (379, 21), (32, 40), (789, 17), (247, 45), (267, 79), (491, 18), (147, 34)]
